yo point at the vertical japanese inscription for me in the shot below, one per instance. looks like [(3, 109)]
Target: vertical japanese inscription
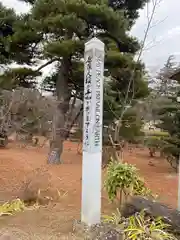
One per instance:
[(87, 99), (98, 100)]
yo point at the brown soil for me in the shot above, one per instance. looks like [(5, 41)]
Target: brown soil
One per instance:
[(55, 220)]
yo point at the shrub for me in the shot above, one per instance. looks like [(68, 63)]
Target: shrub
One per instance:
[(154, 143), (120, 176), (171, 151), (141, 189), (39, 187), (115, 218), (140, 227), (157, 133), (123, 178)]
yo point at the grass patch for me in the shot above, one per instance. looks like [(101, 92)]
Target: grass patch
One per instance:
[(10, 208)]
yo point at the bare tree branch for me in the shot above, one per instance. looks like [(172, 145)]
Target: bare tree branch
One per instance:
[(155, 4), (46, 64)]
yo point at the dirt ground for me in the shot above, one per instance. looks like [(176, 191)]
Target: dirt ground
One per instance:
[(55, 220)]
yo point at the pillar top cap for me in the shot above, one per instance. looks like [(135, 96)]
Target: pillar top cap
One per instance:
[(94, 43)]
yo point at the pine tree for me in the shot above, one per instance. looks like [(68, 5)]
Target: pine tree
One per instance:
[(169, 116), (168, 112), (15, 50), (57, 30), (8, 18), (164, 85)]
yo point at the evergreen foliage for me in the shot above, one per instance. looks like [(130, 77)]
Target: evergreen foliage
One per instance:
[(56, 31)]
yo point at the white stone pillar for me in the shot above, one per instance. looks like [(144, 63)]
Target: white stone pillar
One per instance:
[(92, 132), (178, 100), (179, 185)]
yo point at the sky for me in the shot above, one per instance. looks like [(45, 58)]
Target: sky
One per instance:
[(163, 37)]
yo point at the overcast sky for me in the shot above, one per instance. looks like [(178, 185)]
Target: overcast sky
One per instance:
[(163, 38)]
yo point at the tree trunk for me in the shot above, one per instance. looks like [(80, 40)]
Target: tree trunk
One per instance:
[(59, 122), (73, 121)]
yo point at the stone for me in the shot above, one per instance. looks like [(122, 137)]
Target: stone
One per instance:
[(153, 209), (112, 235), (103, 231)]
